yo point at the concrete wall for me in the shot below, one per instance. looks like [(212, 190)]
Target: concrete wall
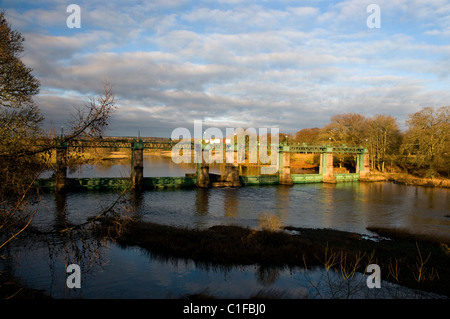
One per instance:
[(119, 183), (307, 178)]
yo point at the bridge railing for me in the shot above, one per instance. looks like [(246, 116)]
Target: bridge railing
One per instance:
[(169, 144)]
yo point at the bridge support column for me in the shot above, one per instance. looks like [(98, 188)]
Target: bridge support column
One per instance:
[(137, 164), (284, 172), (326, 166), (61, 167), (203, 180), (232, 174), (362, 163), (231, 177)]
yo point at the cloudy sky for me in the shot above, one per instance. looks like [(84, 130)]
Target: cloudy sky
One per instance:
[(232, 63)]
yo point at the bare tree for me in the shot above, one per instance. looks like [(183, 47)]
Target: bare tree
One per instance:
[(307, 135), (24, 147), (347, 128), (92, 119), (428, 139), (383, 140)]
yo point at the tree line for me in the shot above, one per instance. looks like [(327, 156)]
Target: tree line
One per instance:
[(423, 149)]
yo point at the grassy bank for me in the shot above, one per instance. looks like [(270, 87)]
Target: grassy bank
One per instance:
[(406, 179), (404, 259)]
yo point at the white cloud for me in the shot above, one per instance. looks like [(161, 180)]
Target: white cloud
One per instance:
[(260, 63)]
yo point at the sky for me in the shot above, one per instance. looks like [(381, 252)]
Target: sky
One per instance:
[(230, 63)]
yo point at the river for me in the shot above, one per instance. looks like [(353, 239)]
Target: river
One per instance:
[(111, 271)]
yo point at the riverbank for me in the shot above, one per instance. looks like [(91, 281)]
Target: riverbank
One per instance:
[(405, 259), (405, 179)]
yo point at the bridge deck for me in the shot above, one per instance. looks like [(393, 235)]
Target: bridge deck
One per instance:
[(168, 144)]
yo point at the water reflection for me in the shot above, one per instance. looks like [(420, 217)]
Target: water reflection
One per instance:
[(137, 202), (267, 276), (61, 210), (231, 203), (111, 271), (347, 206), (202, 202), (283, 202), (329, 201)]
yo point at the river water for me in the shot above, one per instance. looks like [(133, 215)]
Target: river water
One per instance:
[(111, 271)]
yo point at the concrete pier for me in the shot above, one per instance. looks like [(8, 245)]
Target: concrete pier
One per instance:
[(203, 180), (231, 177), (284, 170), (326, 166), (362, 163)]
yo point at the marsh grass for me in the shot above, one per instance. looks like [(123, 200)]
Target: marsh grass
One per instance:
[(269, 222), (403, 260)]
